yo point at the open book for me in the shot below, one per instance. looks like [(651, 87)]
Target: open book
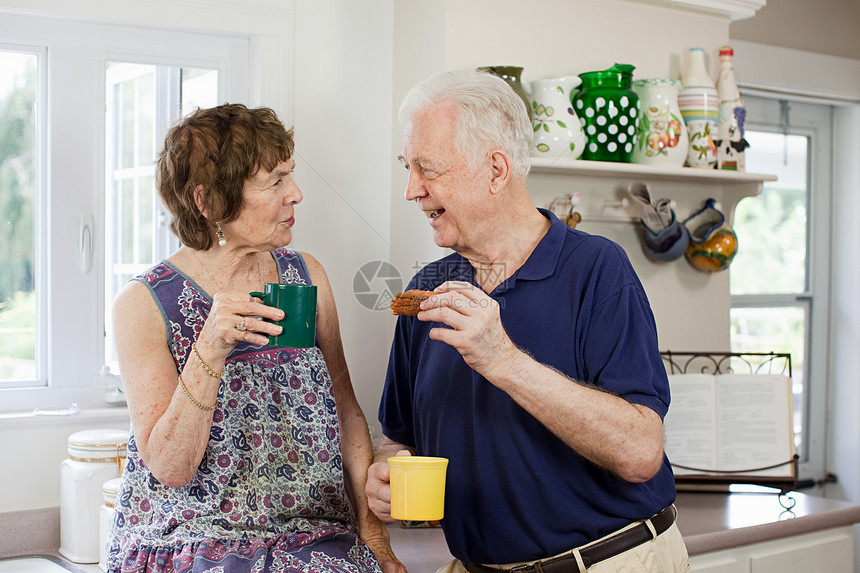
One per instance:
[(727, 425)]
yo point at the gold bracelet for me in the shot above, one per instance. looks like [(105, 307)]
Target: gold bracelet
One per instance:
[(206, 367), (193, 399)]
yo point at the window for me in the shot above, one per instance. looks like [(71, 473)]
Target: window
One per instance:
[(21, 161), (142, 102), (779, 278), (109, 92)]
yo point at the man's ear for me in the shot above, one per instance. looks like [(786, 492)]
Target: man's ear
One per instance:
[(500, 170), (198, 200)]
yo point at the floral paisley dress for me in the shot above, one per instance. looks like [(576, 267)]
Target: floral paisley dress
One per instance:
[(269, 493)]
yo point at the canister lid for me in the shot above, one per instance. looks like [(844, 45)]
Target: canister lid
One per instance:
[(110, 490), (99, 443)]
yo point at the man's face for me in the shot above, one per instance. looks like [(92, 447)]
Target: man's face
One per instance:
[(441, 182)]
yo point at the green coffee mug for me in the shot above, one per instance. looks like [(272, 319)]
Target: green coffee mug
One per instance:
[(299, 303)]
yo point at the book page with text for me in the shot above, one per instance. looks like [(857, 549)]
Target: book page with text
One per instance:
[(754, 423), (690, 426)]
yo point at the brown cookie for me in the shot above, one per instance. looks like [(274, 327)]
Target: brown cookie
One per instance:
[(408, 303)]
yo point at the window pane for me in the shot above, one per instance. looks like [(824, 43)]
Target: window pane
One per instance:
[(126, 106), (776, 329), (144, 100), (18, 192), (772, 227), (145, 119), (199, 89)]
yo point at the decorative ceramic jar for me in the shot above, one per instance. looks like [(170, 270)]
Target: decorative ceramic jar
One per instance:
[(713, 243), (95, 456), (511, 74), (558, 132), (608, 110), (699, 107), (661, 136)]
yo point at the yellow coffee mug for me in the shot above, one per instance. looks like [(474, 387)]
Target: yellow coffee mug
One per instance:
[(417, 487)]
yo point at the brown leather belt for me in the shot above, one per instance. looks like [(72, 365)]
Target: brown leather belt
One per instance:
[(595, 553)]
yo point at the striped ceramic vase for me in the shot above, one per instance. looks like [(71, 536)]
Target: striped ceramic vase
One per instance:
[(699, 107)]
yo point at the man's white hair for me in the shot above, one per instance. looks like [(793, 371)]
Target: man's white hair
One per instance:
[(489, 114)]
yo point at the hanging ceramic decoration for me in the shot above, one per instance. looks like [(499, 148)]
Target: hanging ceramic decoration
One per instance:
[(557, 129), (661, 136), (699, 107), (511, 74), (713, 243), (608, 110)]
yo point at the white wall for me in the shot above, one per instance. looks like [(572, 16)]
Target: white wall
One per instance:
[(845, 332), (342, 117), (33, 448)]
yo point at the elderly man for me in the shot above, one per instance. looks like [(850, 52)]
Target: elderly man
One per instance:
[(534, 368)]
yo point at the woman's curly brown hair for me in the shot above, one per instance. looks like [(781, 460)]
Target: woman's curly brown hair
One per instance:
[(216, 150)]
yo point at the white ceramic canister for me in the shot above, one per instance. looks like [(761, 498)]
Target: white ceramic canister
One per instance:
[(661, 135), (95, 456), (106, 514), (558, 132)]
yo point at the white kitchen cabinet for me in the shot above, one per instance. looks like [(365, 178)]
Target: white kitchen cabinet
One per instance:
[(823, 551)]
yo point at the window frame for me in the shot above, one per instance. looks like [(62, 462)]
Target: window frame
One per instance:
[(73, 193), (815, 121), (40, 224)]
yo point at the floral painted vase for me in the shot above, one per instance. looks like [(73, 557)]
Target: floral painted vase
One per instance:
[(511, 74), (661, 136), (699, 109), (608, 111), (558, 132), (713, 243)]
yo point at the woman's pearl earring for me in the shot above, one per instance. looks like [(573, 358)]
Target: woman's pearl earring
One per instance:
[(221, 240)]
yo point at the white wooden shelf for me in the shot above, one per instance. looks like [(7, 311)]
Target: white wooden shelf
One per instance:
[(601, 186), (732, 9), (583, 168)]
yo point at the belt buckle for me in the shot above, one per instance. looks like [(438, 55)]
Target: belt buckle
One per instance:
[(533, 568)]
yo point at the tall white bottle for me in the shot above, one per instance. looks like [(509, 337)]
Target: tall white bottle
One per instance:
[(730, 129)]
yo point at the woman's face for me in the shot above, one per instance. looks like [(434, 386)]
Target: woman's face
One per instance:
[(268, 210)]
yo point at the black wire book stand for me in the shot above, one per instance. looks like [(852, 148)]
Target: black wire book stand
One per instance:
[(693, 478)]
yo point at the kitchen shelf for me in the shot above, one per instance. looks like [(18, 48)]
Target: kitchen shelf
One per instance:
[(601, 186), (583, 168), (734, 9)]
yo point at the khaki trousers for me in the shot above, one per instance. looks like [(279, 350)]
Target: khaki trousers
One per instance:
[(665, 554)]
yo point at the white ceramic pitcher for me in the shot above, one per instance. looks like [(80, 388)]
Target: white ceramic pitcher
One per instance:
[(558, 132)]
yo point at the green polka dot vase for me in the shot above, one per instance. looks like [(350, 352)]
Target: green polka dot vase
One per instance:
[(608, 110)]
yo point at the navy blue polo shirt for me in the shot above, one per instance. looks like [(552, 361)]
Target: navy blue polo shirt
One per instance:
[(514, 491)]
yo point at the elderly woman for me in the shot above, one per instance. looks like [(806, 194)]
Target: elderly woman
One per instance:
[(243, 456)]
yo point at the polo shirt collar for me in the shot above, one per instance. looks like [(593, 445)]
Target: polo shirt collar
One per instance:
[(540, 264), (542, 261)]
